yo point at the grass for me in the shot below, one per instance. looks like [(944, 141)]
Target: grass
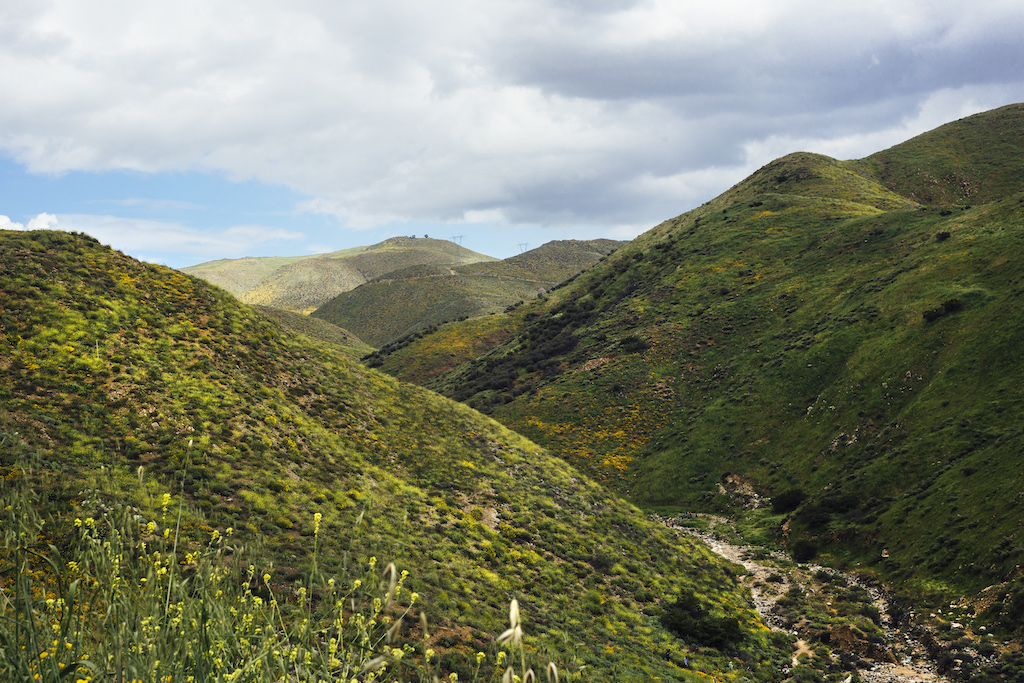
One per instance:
[(123, 597)]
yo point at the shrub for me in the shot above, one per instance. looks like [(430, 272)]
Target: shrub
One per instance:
[(787, 501), (689, 620), (804, 550)]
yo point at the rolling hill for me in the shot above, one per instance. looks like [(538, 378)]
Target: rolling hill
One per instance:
[(148, 420), (303, 283), (843, 338), (405, 301)]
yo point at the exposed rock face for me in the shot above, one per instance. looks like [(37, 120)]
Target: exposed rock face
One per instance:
[(848, 639)]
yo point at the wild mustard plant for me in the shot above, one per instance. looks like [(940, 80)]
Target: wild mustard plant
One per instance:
[(114, 596)]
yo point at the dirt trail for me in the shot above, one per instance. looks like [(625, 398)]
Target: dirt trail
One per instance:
[(772, 574)]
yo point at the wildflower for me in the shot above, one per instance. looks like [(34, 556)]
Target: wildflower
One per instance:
[(316, 523), (429, 654), (480, 658)]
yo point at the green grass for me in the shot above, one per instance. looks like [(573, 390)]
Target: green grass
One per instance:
[(318, 329), (122, 597)]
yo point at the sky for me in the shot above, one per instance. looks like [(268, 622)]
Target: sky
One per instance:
[(198, 130)]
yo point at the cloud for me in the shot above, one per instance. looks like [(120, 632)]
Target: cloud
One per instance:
[(7, 224), (555, 112), (162, 241), (43, 221)]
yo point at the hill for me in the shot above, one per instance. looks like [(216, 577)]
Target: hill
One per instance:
[(160, 439), (302, 283), (406, 301), (841, 337), (322, 330)]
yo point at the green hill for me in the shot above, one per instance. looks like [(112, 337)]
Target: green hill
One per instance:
[(189, 487), (303, 283), (405, 301), (842, 336), (322, 330)]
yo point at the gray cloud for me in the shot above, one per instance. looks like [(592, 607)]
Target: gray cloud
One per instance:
[(612, 113)]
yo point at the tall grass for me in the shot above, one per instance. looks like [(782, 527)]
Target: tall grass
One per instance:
[(116, 596)]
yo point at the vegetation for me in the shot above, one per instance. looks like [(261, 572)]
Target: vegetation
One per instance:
[(843, 335), (318, 329), (408, 301), (196, 433), (303, 283), (125, 609)]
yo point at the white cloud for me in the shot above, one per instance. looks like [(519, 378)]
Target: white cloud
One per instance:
[(159, 240), (552, 112), (44, 221), (7, 224)]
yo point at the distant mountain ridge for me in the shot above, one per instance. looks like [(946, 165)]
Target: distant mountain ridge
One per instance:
[(842, 336), (303, 283), (408, 300)]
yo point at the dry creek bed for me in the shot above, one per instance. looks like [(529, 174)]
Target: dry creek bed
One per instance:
[(909, 660)]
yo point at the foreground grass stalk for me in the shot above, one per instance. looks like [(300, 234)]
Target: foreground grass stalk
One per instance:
[(107, 597)]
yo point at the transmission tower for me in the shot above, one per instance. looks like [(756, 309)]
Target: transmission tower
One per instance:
[(457, 239), (523, 246)]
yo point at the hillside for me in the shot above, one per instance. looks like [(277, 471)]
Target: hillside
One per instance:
[(303, 283), (841, 336), (322, 330), (406, 301), (131, 394)]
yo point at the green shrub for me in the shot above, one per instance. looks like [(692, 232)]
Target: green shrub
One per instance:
[(691, 621)]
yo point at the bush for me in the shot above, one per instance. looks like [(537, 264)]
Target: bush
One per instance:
[(689, 620), (804, 550), (787, 501)]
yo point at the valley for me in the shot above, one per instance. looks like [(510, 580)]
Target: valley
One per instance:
[(775, 438)]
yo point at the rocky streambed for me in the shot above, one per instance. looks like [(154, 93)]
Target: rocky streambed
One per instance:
[(831, 613)]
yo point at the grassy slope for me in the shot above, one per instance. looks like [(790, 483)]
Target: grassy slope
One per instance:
[(423, 356), (406, 301), (137, 379), (302, 283), (322, 330), (813, 328), (238, 275)]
